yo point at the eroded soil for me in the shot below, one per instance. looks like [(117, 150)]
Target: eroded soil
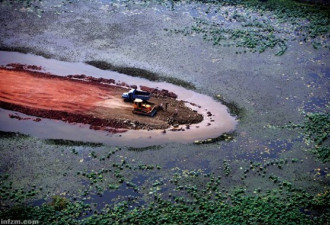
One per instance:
[(84, 101)]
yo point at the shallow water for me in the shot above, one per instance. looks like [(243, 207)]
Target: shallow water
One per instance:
[(212, 126)]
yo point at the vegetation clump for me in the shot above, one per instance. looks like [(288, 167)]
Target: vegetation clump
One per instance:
[(59, 203), (71, 143), (191, 205), (316, 132), (140, 149), (257, 40), (224, 137), (310, 23)]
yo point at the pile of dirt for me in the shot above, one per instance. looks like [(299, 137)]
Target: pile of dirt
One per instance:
[(159, 93), (85, 99)]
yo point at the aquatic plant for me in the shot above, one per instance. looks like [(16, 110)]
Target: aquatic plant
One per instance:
[(286, 205), (71, 143), (308, 23), (59, 203), (316, 132), (224, 137), (140, 149)]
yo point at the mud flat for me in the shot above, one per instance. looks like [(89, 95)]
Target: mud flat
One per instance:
[(96, 102), (89, 102)]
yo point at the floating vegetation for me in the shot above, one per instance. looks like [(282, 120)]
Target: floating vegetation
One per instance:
[(191, 197), (226, 167), (223, 137), (261, 169), (257, 40), (15, 195), (316, 131), (132, 185), (291, 11), (316, 127), (211, 205), (152, 147), (323, 153), (71, 143), (309, 23), (59, 203)]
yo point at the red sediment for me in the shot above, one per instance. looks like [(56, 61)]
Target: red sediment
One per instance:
[(53, 97), (96, 123), (83, 99)]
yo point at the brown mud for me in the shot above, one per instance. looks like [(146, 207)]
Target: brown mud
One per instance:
[(84, 99)]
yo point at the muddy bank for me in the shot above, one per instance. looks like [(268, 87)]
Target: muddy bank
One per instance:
[(87, 100), (216, 118)]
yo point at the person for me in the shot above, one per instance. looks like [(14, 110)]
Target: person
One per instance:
[(166, 105)]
